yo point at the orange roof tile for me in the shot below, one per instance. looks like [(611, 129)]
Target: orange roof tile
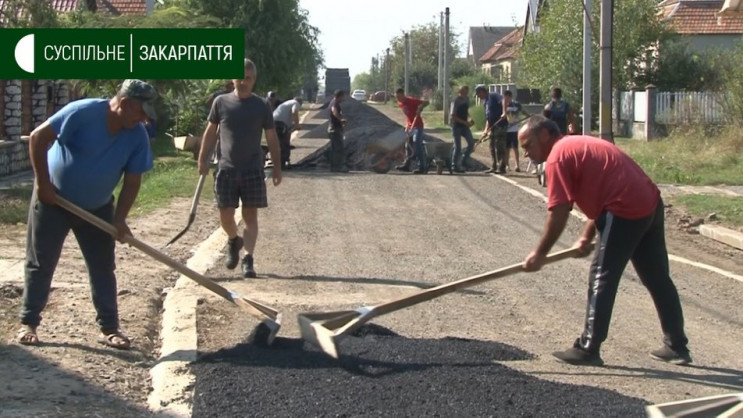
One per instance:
[(700, 17), (123, 7), (505, 47)]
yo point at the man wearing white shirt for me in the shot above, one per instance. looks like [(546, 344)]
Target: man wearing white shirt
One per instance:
[(286, 117)]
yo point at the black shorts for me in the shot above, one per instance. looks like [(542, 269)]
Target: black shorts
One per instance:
[(232, 186), (512, 140)]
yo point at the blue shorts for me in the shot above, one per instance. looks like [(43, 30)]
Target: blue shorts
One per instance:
[(232, 186)]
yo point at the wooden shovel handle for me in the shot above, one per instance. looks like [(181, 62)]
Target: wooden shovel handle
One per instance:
[(261, 309), (443, 289)]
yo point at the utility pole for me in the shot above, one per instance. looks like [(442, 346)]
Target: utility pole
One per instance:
[(607, 20), (386, 75), (439, 79), (587, 68), (406, 49), (446, 90)]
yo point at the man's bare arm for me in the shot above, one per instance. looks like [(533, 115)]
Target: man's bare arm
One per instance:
[(40, 140), (208, 141)]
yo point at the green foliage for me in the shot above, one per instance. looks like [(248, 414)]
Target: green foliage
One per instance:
[(678, 68), (459, 67), (279, 38), (28, 14), (362, 81), (14, 204), (729, 67), (477, 113), (424, 66), (553, 56)]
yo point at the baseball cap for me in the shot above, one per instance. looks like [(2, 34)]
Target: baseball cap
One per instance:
[(144, 92)]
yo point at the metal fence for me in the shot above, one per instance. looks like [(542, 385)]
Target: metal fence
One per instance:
[(673, 108)]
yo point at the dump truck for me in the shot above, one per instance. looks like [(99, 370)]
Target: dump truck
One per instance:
[(336, 79)]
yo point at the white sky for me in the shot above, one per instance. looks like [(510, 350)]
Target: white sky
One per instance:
[(354, 31)]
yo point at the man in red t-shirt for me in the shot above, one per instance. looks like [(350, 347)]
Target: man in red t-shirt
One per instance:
[(624, 206), (411, 108)]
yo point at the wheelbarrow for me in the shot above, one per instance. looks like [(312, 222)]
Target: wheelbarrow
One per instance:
[(385, 151), (439, 154)]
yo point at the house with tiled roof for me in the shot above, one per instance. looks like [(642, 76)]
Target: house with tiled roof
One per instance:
[(704, 23), (500, 60), (24, 104), (482, 38)]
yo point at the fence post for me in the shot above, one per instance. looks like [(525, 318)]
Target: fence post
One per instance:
[(650, 116)]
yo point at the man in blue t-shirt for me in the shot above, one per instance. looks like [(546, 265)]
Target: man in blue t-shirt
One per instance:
[(495, 128), (81, 154)]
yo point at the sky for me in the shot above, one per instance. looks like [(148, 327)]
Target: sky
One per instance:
[(354, 31)]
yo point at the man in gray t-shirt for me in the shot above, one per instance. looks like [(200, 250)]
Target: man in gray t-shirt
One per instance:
[(242, 118), (241, 124), (286, 117)]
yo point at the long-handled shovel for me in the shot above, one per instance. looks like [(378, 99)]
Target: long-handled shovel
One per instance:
[(194, 202), (326, 329), (192, 213), (269, 316)]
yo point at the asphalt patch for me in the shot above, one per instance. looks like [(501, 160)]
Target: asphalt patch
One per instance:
[(382, 373)]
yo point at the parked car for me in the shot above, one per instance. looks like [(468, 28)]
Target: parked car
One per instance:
[(359, 95), (381, 96)]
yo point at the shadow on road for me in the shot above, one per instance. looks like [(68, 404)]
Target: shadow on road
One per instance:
[(34, 386)]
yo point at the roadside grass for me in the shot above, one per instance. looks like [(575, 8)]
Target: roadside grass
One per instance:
[(692, 157), (14, 204), (728, 209), (173, 175)]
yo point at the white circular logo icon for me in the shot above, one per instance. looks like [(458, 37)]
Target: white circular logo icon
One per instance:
[(24, 53)]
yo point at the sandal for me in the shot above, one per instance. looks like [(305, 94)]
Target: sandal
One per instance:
[(27, 336), (116, 340)]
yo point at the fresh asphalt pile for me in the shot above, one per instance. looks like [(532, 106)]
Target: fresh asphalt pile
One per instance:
[(381, 373), (366, 128)]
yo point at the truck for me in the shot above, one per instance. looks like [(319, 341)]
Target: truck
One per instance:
[(336, 79)]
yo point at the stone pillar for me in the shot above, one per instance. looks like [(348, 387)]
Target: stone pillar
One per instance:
[(650, 128), (38, 102), (13, 110), (62, 95)]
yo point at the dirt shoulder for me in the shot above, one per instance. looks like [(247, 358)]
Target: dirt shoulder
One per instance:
[(70, 374)]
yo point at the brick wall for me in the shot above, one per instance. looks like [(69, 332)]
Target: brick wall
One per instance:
[(14, 157), (24, 105)]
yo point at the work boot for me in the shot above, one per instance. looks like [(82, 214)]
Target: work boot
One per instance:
[(247, 264), (579, 356), (403, 167), (672, 356), (233, 252)]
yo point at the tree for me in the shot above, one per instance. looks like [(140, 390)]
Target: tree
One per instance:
[(362, 81), (553, 57), (28, 14), (676, 67), (279, 38), (424, 67)]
